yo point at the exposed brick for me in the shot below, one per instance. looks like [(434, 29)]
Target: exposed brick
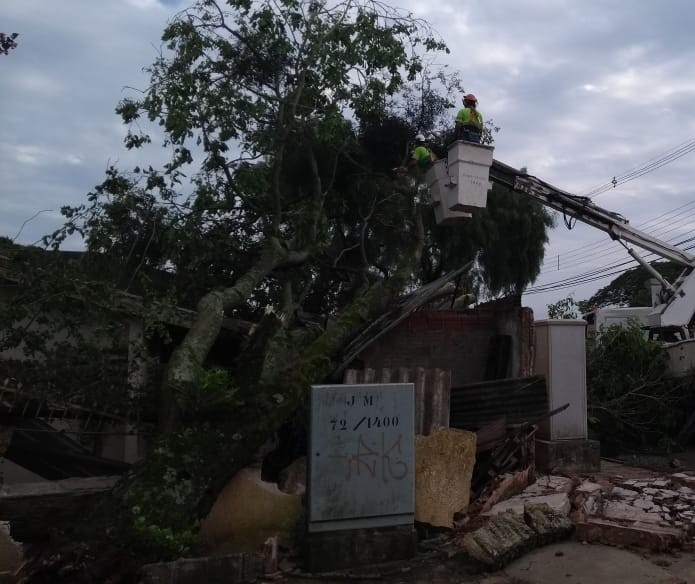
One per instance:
[(647, 535), (453, 340)]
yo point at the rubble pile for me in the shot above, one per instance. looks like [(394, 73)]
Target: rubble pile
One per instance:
[(538, 515), (657, 513), (654, 513)]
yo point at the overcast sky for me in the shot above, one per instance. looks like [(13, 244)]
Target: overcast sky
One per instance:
[(583, 92)]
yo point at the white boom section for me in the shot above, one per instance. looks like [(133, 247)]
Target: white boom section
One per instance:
[(678, 300), (614, 224)]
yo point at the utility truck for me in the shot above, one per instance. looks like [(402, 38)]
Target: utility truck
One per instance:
[(459, 184)]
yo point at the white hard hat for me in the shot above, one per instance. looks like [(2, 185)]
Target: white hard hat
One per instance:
[(419, 138)]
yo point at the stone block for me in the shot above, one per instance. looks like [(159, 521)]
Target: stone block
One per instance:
[(548, 524), (622, 511), (329, 551), (568, 456), (444, 463), (649, 535), (621, 493), (247, 512), (500, 540), (683, 479), (508, 535), (550, 483), (589, 488)]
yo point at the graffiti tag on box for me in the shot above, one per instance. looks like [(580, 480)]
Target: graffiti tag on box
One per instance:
[(367, 442)]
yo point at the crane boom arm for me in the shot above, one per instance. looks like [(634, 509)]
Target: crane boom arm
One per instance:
[(584, 210)]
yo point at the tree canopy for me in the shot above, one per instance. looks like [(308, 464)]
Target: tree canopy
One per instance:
[(284, 119)]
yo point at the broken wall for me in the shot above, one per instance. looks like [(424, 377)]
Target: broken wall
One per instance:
[(458, 341)]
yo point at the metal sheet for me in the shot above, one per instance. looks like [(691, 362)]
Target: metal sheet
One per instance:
[(361, 456), (519, 400)]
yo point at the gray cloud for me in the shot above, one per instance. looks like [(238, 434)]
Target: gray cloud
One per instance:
[(582, 92)]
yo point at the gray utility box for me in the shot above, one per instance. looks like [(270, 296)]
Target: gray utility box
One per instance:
[(361, 457), (561, 358)]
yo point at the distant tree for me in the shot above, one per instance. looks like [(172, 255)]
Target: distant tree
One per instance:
[(7, 42), (629, 289), (566, 308)]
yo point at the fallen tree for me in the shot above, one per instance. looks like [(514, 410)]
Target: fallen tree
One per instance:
[(278, 206)]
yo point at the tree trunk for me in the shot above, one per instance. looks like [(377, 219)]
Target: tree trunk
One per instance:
[(159, 503), (189, 357)]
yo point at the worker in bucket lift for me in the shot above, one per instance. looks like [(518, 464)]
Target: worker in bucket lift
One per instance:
[(469, 121), (422, 156)]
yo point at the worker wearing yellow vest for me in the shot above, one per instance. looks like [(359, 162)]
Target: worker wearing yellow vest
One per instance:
[(422, 156), (469, 121)]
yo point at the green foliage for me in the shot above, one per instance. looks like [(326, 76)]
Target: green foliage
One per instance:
[(629, 289), (507, 237), (214, 394), (284, 119), (566, 308), (630, 400), (7, 42)]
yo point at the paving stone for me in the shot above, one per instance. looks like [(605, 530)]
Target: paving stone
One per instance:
[(550, 483), (645, 504), (618, 510), (660, 483), (624, 493), (650, 491), (589, 488)]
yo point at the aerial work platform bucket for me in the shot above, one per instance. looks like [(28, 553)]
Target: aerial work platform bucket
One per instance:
[(460, 184), (443, 193)]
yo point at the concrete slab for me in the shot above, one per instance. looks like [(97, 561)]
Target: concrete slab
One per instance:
[(558, 502), (575, 563)]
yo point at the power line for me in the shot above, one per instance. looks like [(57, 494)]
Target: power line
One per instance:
[(585, 249), (675, 223), (650, 166), (596, 274)]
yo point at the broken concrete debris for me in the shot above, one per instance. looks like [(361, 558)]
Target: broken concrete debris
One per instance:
[(558, 502), (654, 513), (508, 535), (657, 514)]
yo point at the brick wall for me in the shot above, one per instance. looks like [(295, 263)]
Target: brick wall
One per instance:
[(458, 341)]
